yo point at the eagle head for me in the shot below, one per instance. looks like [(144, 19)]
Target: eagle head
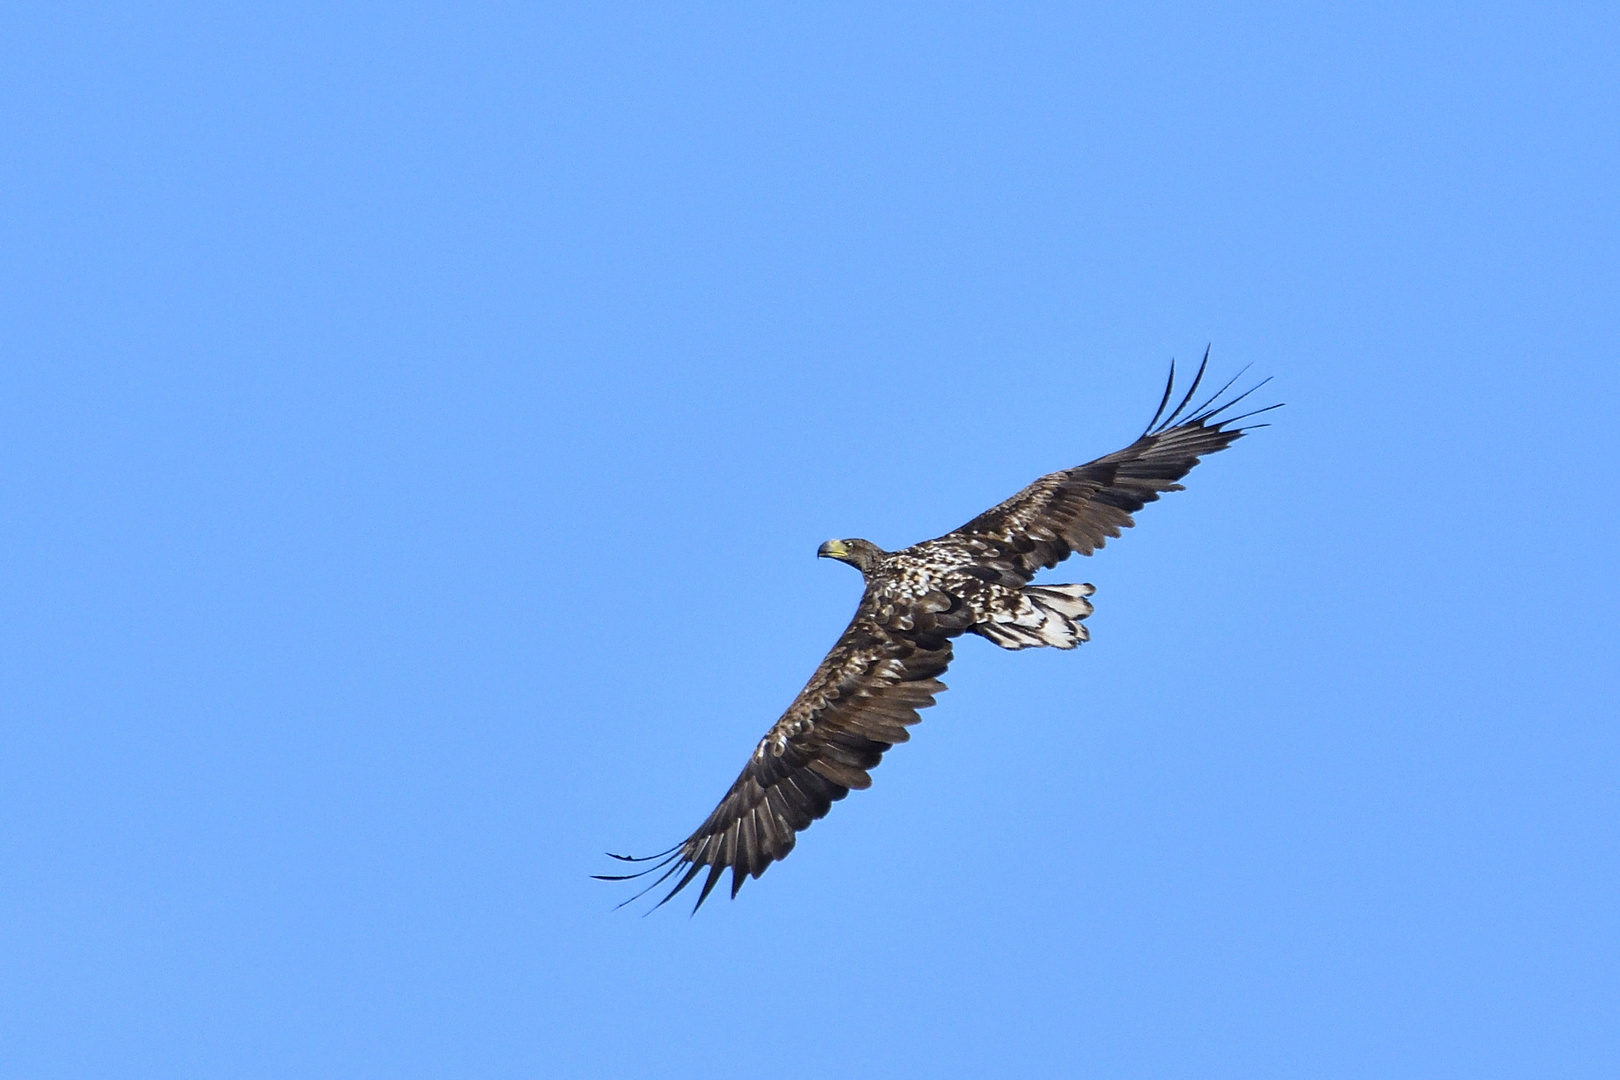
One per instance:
[(861, 554)]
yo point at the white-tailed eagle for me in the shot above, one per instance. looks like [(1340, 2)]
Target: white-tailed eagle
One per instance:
[(887, 664)]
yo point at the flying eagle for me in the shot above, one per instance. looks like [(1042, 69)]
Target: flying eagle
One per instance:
[(887, 664)]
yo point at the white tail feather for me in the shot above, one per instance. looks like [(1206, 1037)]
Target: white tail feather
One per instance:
[(1040, 615)]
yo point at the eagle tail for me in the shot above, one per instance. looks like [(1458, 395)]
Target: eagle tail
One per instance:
[(1040, 615)]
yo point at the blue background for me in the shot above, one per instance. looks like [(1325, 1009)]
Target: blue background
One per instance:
[(417, 424)]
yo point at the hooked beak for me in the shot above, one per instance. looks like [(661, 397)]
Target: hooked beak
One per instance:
[(832, 549)]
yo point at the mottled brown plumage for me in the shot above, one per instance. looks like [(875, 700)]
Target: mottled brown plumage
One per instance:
[(885, 666)]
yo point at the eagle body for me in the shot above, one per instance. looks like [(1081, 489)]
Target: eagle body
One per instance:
[(886, 665)]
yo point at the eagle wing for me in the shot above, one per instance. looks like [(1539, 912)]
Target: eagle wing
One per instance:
[(1076, 510), (856, 706)]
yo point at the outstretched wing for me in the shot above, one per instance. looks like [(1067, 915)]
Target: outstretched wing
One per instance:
[(1078, 509), (857, 705)]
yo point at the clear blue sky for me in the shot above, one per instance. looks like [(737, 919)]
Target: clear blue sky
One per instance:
[(417, 424)]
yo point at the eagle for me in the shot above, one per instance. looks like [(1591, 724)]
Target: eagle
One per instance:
[(886, 665)]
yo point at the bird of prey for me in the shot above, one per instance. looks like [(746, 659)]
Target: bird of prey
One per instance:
[(886, 665)]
